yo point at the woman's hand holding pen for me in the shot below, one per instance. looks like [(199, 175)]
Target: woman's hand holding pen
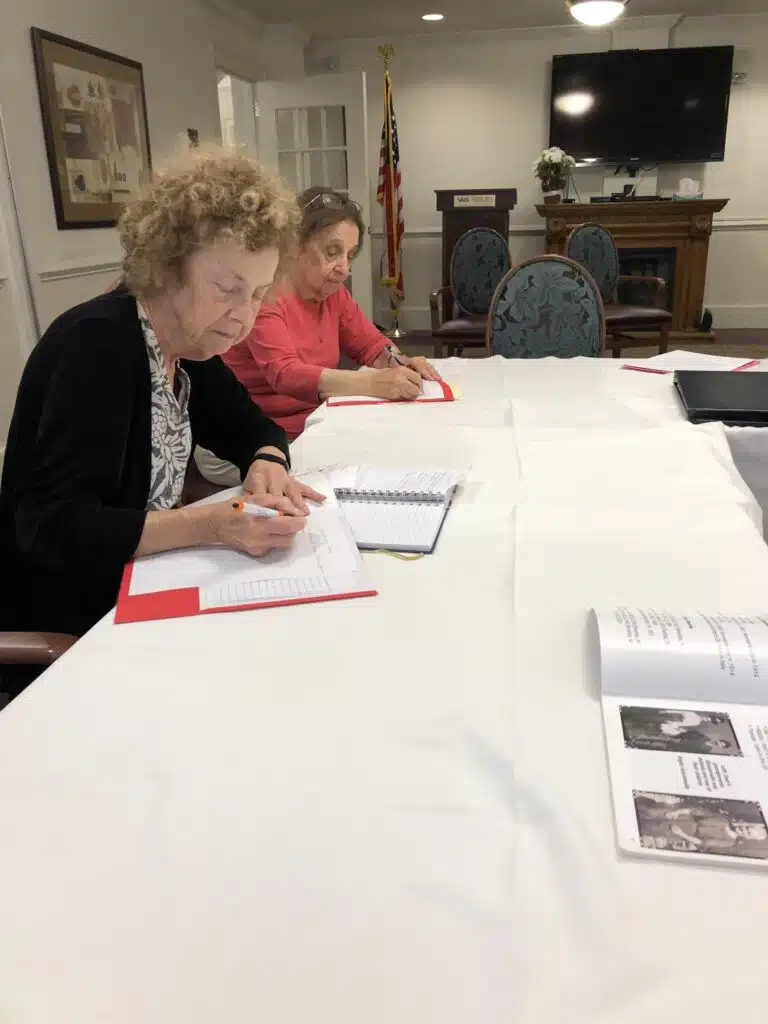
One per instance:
[(421, 365), (397, 383), (231, 524)]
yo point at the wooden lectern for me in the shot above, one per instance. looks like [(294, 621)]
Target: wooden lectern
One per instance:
[(467, 208)]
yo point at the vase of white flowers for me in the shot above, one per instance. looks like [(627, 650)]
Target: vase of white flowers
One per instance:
[(553, 169)]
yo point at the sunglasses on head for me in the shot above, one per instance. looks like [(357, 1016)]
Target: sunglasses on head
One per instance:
[(331, 201)]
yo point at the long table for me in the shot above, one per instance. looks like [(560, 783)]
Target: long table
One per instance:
[(394, 809)]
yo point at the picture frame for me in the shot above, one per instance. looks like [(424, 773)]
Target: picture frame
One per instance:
[(94, 114)]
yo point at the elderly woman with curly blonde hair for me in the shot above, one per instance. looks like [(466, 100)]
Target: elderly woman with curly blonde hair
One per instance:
[(120, 389)]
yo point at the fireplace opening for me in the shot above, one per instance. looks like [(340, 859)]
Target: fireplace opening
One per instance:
[(651, 263)]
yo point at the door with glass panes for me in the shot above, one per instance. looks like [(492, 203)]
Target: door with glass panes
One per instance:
[(314, 132)]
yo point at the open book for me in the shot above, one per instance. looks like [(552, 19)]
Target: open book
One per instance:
[(685, 708), (395, 510), (431, 391)]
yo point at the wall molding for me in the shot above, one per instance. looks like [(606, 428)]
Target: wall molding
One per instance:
[(514, 229), (735, 318), (723, 224), (68, 271), (740, 224)]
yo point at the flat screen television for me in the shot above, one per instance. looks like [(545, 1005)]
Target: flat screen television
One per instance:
[(642, 106)]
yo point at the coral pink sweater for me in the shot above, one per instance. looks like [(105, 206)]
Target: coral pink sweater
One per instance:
[(291, 343)]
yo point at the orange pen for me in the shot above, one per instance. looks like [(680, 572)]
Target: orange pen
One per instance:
[(255, 510)]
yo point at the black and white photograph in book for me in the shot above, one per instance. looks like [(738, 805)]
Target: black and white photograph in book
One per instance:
[(682, 732), (701, 824)]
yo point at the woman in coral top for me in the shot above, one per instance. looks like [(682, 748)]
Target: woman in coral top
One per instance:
[(289, 361)]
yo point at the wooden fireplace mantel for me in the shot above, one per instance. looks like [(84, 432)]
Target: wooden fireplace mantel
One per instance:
[(683, 225)]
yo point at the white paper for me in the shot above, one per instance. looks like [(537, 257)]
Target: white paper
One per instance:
[(655, 652), (679, 359), (323, 560), (430, 390), (689, 779)]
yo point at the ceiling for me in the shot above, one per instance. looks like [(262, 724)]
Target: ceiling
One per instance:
[(355, 18)]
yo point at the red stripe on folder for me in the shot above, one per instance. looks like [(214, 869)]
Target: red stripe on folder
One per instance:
[(644, 369), (185, 602), (162, 604), (746, 366)]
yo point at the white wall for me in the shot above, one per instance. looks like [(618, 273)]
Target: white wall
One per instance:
[(180, 43), (173, 42), (472, 111)]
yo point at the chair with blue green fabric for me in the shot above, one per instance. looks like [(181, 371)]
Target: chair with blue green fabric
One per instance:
[(548, 306), (479, 260), (633, 303)]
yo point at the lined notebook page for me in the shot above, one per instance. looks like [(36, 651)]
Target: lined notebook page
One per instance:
[(394, 526)]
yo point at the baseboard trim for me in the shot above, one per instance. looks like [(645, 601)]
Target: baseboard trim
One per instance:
[(67, 272), (413, 318), (739, 318)]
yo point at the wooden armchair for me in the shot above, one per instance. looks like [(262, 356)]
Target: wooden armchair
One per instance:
[(641, 305), (23, 656), (453, 332), (479, 260), (23, 652), (632, 303), (42, 649)]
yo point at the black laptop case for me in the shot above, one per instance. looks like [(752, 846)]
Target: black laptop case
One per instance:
[(736, 399)]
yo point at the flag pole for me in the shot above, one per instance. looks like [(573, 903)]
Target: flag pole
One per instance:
[(386, 53)]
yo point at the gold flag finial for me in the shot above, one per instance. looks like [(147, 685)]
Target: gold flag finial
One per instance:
[(386, 52)]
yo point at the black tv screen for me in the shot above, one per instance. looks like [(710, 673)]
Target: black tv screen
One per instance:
[(642, 106)]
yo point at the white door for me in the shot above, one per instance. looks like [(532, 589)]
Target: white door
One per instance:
[(314, 132), (18, 326)]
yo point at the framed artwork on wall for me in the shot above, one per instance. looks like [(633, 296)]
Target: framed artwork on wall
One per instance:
[(95, 124)]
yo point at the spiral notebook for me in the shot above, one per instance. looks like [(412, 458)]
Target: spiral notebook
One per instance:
[(391, 510)]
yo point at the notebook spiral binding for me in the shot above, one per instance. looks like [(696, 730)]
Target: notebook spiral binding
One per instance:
[(420, 497)]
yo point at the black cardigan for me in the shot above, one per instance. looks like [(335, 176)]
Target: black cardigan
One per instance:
[(78, 459)]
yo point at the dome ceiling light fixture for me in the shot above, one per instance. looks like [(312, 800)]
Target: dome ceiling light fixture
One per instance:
[(596, 13)]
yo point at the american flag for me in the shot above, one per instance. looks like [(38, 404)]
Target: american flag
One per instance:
[(389, 195)]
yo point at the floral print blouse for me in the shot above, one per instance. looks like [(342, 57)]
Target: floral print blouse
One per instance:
[(171, 432)]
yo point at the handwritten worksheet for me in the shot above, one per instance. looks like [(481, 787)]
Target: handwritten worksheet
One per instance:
[(323, 563)]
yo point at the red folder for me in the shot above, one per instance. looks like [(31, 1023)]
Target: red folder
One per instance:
[(447, 396)]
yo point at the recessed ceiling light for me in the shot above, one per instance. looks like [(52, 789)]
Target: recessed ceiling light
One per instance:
[(432, 17)]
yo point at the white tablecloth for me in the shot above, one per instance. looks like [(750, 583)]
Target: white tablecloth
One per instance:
[(393, 809), (555, 393)]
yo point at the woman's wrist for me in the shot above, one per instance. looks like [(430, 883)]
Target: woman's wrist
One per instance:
[(341, 382), (169, 529), (270, 455), (274, 456)]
